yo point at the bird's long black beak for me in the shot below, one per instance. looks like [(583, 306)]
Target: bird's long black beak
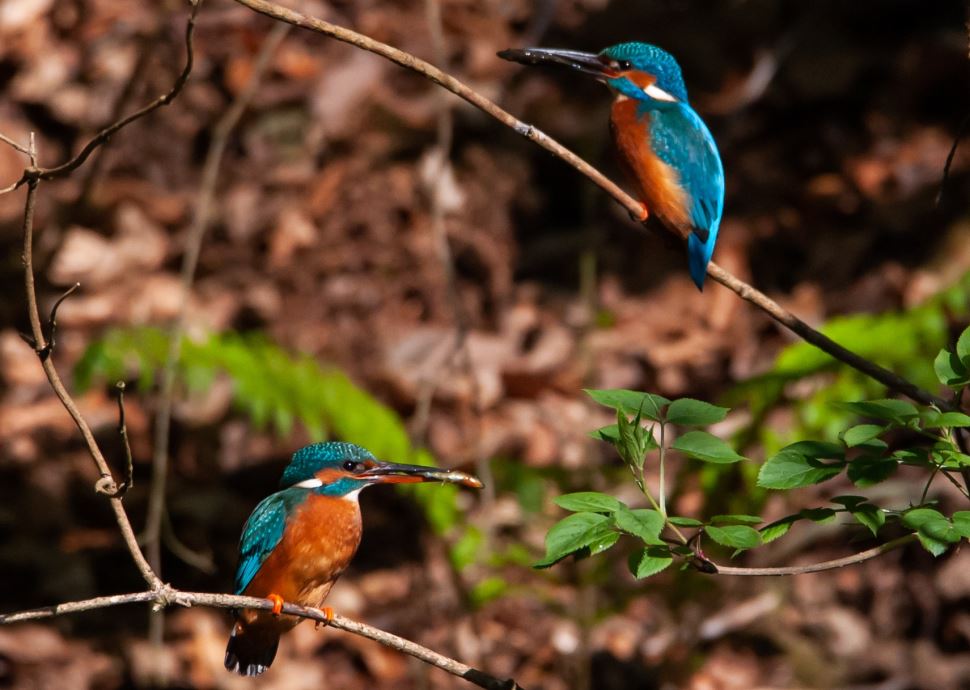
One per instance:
[(394, 473), (588, 63)]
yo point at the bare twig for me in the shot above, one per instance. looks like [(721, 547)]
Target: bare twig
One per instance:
[(105, 134), (167, 596), (742, 289), (96, 162), (819, 567), (123, 432)]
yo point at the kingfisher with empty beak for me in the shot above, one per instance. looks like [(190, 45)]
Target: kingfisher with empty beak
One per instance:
[(665, 147), (300, 539)]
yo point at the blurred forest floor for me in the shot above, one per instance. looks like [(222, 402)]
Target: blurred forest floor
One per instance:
[(834, 120)]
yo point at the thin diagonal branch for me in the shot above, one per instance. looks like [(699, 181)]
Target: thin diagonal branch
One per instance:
[(742, 289), (171, 597), (818, 567)]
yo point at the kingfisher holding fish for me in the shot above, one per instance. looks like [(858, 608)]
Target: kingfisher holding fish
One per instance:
[(300, 539), (665, 147)]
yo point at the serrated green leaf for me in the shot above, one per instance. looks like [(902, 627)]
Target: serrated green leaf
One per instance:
[(867, 470), (890, 409), (869, 516), (934, 419), (648, 404), (601, 539), (736, 520), (861, 434), (707, 447), (690, 412), (961, 521), (777, 529), (790, 470), (963, 347), (950, 370), (934, 546), (736, 536), (571, 534), (649, 561), (941, 531), (589, 501), (684, 521), (641, 522), (817, 450), (916, 518)]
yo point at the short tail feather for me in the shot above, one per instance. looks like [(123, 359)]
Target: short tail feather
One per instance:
[(250, 652), (699, 255)]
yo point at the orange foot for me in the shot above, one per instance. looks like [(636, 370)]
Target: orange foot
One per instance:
[(328, 614), (644, 213), (277, 603)]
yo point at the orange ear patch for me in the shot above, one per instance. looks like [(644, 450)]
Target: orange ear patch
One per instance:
[(330, 475), (641, 79)]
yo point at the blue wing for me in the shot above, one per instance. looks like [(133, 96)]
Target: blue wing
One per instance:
[(683, 142), (262, 532)]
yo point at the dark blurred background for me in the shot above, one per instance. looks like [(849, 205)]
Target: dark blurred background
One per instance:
[(322, 306)]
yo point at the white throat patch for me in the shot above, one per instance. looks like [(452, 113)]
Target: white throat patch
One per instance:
[(659, 94), (352, 496), (312, 483)]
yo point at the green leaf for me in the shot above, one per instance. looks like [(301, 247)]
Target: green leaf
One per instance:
[(707, 447), (892, 410), (631, 446), (916, 518), (736, 520), (610, 434), (649, 561), (867, 470), (591, 501), (934, 419), (963, 346), (690, 412), (641, 522), (869, 516), (648, 404), (571, 534), (861, 433), (950, 370), (737, 536), (933, 529), (778, 528), (961, 522), (684, 521), (817, 450), (790, 470), (934, 546)]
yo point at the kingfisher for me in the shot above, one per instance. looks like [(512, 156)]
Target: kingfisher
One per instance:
[(300, 539), (664, 146)]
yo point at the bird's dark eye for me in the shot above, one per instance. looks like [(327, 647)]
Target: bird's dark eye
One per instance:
[(624, 65), (351, 466)]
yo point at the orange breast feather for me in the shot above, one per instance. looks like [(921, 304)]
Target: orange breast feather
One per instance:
[(657, 184), (320, 540)]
